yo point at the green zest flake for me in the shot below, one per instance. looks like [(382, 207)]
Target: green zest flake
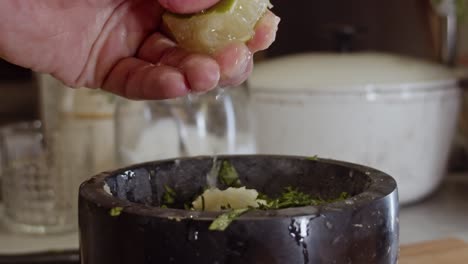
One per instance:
[(116, 211), (223, 221), (169, 196), (228, 175), (315, 158)]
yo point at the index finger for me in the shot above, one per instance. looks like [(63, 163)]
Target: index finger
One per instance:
[(187, 6)]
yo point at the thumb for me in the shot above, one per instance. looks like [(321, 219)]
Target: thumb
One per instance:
[(187, 6)]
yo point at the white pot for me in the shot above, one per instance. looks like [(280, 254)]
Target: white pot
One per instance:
[(395, 114)]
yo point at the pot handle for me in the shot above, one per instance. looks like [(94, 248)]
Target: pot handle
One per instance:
[(448, 10)]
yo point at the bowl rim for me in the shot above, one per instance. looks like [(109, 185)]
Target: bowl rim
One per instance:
[(381, 186), (359, 89)]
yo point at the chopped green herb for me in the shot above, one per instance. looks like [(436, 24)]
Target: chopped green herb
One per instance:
[(343, 196), (289, 198), (116, 211), (223, 221), (228, 175), (188, 207), (169, 196), (314, 158), (292, 197), (263, 197)]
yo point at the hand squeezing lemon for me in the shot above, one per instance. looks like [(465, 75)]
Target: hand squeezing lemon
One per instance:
[(228, 32), (213, 29), (129, 49)]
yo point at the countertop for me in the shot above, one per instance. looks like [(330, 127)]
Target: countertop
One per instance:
[(450, 250), (443, 214)]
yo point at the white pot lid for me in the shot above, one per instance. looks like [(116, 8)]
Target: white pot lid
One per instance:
[(348, 72)]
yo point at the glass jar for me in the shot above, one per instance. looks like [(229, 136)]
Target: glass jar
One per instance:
[(87, 121), (81, 124), (37, 197), (215, 123)]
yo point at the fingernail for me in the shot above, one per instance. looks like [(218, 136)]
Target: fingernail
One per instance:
[(239, 79), (237, 60)]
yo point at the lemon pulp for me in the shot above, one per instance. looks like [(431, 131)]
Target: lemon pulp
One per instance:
[(231, 198), (212, 29)]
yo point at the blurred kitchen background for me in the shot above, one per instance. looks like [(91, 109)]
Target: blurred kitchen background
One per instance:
[(411, 29), (402, 27)]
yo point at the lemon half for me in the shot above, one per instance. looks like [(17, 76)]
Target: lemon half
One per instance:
[(231, 198), (212, 29)]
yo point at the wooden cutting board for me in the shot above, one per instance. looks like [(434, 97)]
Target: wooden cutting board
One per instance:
[(447, 251)]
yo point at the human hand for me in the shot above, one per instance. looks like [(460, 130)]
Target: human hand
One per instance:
[(118, 45)]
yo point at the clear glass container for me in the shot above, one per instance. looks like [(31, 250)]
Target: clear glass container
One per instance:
[(81, 117), (37, 197), (81, 124), (215, 123)]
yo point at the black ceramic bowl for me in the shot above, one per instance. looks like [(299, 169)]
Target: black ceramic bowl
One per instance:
[(362, 229)]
